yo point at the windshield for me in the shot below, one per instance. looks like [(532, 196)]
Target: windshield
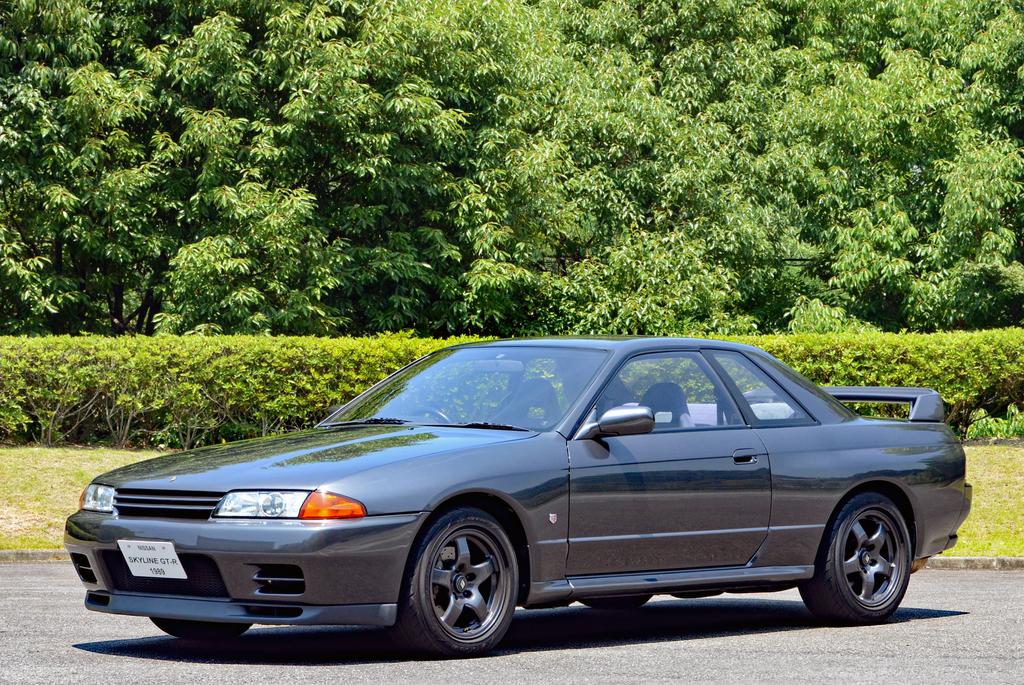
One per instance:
[(514, 387)]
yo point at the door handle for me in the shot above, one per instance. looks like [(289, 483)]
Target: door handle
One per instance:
[(745, 455)]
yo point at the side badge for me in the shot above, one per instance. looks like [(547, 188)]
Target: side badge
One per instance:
[(553, 518)]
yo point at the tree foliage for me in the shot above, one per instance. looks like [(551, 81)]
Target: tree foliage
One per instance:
[(551, 166)]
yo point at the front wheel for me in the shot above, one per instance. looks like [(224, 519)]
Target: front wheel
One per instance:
[(200, 630), (863, 568), (460, 589)]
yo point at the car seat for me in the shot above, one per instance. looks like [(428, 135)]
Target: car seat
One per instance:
[(534, 403), (668, 398)]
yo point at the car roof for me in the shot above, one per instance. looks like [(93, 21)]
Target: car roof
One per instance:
[(621, 343)]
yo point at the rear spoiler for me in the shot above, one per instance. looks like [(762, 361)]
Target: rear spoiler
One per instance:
[(925, 403)]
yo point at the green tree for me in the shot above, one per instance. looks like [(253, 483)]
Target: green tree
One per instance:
[(352, 166)]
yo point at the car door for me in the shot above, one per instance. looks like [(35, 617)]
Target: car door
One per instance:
[(695, 492)]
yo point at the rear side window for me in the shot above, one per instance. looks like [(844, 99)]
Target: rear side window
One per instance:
[(794, 377), (768, 402)]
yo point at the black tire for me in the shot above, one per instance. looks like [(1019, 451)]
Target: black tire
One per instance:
[(616, 603), (447, 606), (200, 630), (863, 566)]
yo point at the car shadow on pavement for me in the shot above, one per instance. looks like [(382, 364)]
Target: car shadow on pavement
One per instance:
[(574, 627)]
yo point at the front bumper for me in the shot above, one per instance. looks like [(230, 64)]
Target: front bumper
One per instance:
[(352, 570), (228, 611)]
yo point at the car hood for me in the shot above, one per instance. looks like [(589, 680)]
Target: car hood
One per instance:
[(301, 461)]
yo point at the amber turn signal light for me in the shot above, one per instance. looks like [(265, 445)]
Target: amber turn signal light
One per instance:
[(327, 505)]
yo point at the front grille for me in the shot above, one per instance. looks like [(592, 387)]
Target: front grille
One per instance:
[(165, 503), (204, 579)]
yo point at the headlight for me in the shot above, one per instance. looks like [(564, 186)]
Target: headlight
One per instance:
[(261, 504), (288, 505), (97, 497)]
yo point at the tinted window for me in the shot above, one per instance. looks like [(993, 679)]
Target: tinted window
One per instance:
[(679, 387), (767, 401), (794, 377)]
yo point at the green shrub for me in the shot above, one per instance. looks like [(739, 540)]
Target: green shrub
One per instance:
[(186, 391), (985, 426)]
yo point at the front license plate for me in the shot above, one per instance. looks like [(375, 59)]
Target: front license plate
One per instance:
[(152, 559)]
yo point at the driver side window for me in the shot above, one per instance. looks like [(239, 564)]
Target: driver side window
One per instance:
[(679, 388)]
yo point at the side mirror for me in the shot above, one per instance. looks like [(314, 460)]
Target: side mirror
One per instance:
[(624, 420)]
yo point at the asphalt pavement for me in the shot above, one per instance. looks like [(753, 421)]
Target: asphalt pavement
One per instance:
[(954, 625)]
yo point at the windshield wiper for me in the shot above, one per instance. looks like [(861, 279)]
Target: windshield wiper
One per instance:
[(387, 421), (488, 426), (375, 421)]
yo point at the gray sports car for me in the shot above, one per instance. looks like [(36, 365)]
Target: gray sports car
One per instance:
[(534, 473)]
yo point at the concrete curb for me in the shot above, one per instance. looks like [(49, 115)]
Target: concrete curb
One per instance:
[(976, 563), (10, 556), (938, 563)]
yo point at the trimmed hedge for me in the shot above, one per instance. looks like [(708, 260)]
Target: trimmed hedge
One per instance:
[(976, 370), (185, 391)]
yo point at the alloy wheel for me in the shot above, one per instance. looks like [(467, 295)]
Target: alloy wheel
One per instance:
[(468, 585), (873, 561)]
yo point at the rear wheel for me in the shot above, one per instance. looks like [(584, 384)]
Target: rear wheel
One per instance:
[(460, 590), (863, 569), (616, 603), (200, 630)]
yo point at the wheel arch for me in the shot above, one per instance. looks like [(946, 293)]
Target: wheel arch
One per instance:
[(895, 492), (506, 515)]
